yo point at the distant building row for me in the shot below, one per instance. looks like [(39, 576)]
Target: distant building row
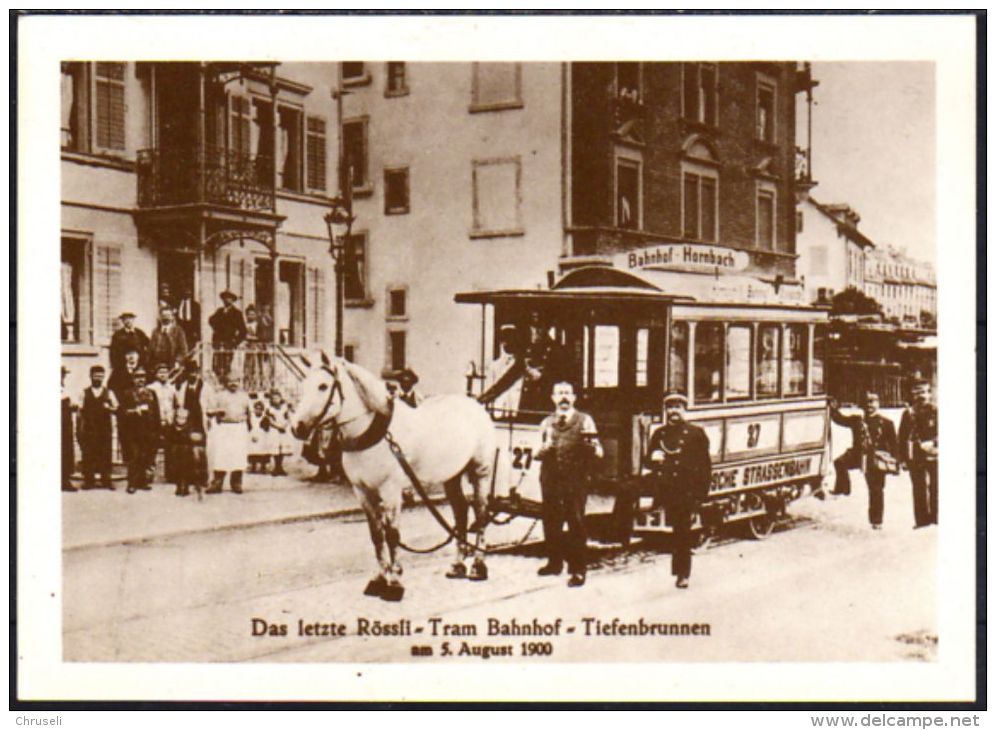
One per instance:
[(834, 256)]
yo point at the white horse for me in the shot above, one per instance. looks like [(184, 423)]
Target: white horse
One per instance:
[(447, 438)]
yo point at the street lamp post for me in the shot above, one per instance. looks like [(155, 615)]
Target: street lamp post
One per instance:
[(339, 221)]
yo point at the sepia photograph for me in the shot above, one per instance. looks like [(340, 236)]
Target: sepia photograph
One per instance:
[(450, 363)]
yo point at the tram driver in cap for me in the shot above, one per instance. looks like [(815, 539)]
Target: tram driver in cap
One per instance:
[(678, 454)]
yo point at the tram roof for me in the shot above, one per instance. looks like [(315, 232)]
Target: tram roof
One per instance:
[(604, 283)]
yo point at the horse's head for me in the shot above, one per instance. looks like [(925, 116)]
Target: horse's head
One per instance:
[(338, 391), (321, 397)]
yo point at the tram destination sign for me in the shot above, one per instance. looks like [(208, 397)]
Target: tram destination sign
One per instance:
[(683, 257)]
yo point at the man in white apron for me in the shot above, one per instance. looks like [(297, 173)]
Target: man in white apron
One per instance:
[(228, 442)]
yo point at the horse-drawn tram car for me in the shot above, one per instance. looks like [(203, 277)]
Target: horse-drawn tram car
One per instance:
[(752, 371)]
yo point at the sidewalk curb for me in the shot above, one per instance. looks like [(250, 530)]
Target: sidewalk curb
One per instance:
[(265, 522)]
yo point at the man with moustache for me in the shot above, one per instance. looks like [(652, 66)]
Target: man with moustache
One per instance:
[(678, 453), (570, 445), (94, 429)]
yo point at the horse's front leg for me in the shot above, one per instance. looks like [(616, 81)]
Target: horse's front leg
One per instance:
[(391, 514), (377, 584)]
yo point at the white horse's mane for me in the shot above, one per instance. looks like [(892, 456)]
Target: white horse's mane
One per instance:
[(372, 390)]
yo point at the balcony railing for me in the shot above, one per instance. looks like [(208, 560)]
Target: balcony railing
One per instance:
[(221, 177)]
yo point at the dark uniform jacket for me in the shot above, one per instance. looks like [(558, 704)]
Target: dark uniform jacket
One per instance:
[(686, 471), (869, 434), (142, 426), (168, 345), (122, 341), (919, 424), (228, 328)]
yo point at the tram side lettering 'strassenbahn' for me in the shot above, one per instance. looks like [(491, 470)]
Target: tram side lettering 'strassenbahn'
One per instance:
[(753, 372)]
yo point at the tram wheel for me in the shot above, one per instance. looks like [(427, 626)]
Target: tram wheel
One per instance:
[(761, 526)]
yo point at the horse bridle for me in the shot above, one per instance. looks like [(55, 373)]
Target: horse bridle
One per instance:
[(374, 432), (336, 388)]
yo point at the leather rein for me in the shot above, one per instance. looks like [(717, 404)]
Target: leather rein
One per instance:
[(373, 434)]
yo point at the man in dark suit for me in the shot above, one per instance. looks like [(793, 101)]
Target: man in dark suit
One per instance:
[(228, 330), (140, 417), (570, 445), (168, 345), (188, 314), (126, 339), (94, 429), (873, 438), (678, 453), (918, 449)]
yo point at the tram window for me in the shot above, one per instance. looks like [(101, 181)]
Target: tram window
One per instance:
[(606, 356), (738, 361), (769, 341), (818, 373), (794, 367), (708, 362), (677, 371), (642, 355)]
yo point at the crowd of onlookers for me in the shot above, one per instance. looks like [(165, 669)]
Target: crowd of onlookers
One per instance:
[(161, 405)]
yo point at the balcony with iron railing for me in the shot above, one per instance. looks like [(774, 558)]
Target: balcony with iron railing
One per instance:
[(218, 176)]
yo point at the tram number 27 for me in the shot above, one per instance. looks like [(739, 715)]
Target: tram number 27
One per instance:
[(753, 435), (522, 458)]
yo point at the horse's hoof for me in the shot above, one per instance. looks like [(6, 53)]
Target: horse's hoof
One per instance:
[(375, 587), (457, 570), (479, 572), (393, 593)]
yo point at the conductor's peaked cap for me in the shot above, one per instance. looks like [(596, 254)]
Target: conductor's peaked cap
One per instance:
[(678, 398)]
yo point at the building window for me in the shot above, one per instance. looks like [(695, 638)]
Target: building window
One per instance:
[(708, 362), (605, 356), (289, 311), (240, 135), (677, 363), (765, 236), (349, 352), (397, 303), (397, 79), (289, 162), (629, 176), (769, 345), (75, 291), (738, 361), (355, 263), (93, 107), (354, 150), (496, 86), (798, 221), (765, 119), (396, 193), (396, 343), (497, 198), (700, 203), (629, 81), (796, 354), (316, 153), (699, 93), (354, 73), (110, 105)]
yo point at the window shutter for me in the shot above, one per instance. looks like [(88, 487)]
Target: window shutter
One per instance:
[(316, 307), (316, 153), (107, 291), (110, 106)]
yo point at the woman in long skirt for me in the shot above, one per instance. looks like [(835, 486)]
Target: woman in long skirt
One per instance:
[(228, 444)]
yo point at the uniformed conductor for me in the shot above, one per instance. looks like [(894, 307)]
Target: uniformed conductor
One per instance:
[(570, 444), (678, 453)]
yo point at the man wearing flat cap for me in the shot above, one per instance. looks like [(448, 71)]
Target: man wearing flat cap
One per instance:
[(228, 331), (678, 453), (407, 380), (126, 339), (140, 418)]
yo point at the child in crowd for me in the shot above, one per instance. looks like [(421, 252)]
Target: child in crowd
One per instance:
[(283, 440), (260, 441), (186, 454)]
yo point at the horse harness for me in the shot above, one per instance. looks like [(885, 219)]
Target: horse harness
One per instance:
[(379, 429)]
